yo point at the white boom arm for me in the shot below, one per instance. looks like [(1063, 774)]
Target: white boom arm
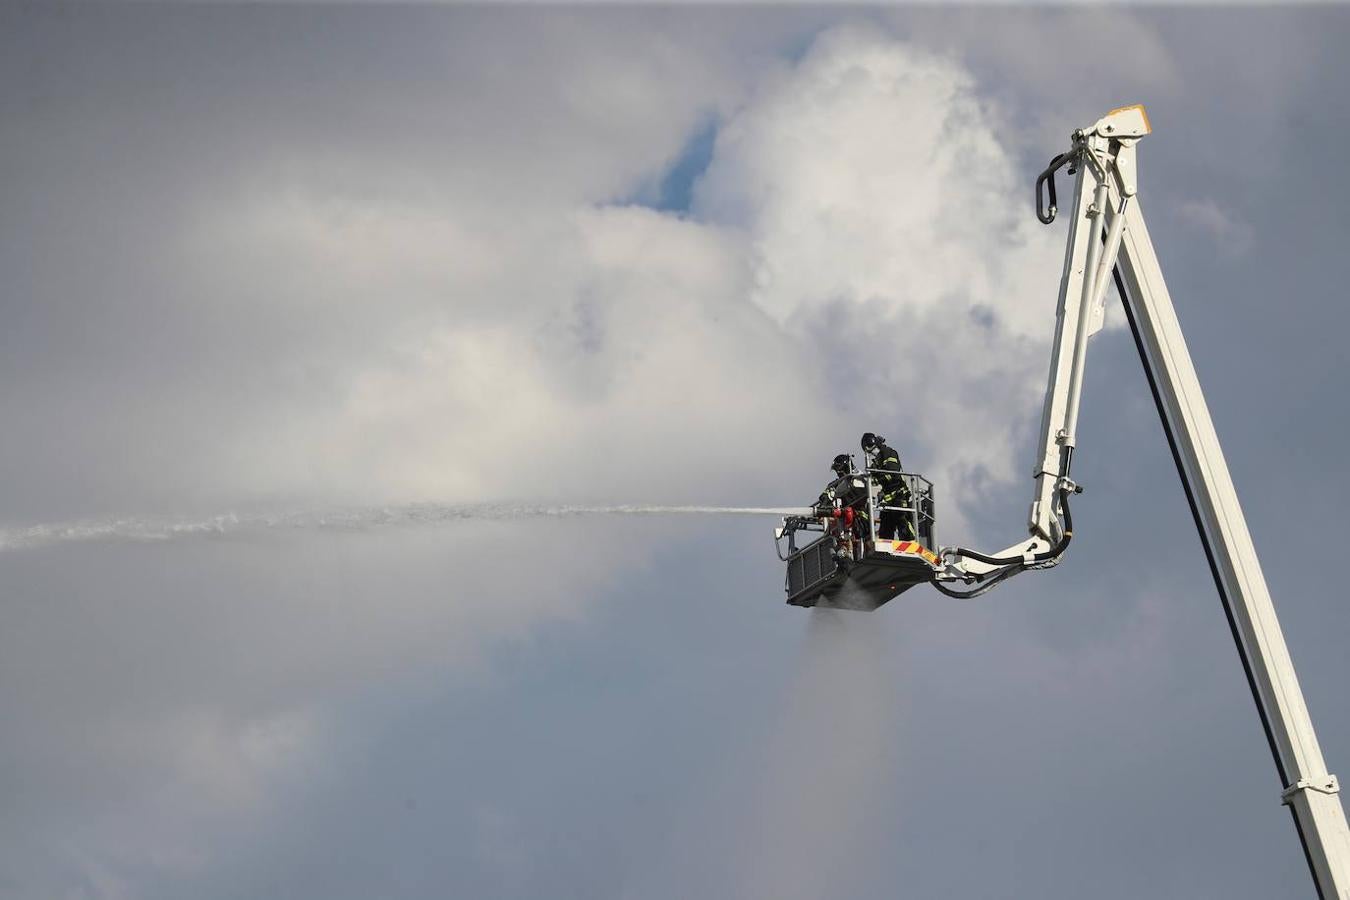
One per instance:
[(1107, 236)]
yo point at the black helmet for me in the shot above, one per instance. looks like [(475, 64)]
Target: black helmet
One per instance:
[(842, 465), (871, 441)]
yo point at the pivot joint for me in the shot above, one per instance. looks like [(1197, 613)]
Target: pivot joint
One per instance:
[(1327, 785)]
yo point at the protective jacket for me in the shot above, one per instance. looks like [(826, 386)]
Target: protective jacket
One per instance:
[(892, 486), (891, 491), (851, 494), (846, 492)]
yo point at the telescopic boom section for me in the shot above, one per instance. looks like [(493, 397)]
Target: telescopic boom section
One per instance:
[(1108, 240), (1100, 156)]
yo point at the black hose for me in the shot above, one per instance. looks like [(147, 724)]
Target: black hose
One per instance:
[(1043, 556), (989, 585), (1045, 184), (1012, 565)]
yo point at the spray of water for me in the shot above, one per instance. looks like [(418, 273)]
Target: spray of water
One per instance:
[(164, 528), (829, 756)]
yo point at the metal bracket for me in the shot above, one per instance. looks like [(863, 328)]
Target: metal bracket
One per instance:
[(1126, 176), (1329, 786)]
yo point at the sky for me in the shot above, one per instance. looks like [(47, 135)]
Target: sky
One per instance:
[(302, 306)]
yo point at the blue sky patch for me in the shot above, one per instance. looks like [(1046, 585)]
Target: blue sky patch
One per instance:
[(674, 191)]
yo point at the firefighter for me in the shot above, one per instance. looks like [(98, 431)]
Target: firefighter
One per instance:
[(847, 518), (891, 489), (842, 488)]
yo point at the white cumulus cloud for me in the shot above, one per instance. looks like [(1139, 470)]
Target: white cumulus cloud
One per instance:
[(481, 315), (888, 229)]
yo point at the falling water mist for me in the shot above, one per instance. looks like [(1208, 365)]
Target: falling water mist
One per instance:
[(828, 755)]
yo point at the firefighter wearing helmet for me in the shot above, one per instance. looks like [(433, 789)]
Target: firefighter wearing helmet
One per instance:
[(843, 504), (845, 491), (892, 491)]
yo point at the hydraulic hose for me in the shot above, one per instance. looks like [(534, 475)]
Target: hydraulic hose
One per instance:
[(1012, 564), (1045, 189), (989, 585), (1043, 556)]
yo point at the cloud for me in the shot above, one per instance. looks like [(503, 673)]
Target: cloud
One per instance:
[(346, 318), (886, 229), (198, 308), (423, 281), (854, 250), (1231, 235), (173, 696)]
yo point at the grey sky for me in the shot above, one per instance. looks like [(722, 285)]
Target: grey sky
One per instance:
[(310, 257)]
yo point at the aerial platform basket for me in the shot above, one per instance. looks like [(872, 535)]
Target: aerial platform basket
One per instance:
[(817, 576), (849, 566)]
